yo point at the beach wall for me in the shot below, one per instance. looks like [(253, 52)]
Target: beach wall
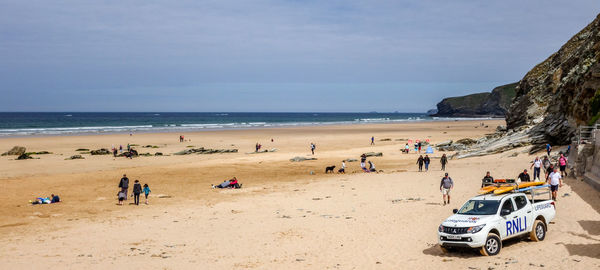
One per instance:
[(592, 170)]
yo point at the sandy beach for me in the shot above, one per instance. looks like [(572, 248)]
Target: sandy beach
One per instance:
[(288, 215)]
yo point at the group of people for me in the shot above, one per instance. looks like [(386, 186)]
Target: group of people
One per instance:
[(137, 190), (426, 161), (363, 165), (231, 183)]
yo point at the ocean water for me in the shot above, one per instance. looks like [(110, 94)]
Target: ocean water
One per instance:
[(40, 124)]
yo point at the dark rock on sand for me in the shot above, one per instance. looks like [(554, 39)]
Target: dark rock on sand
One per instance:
[(24, 156), (205, 151), (102, 151), (466, 141), (385, 140), (299, 159), (158, 154), (15, 151), (373, 154), (82, 150), (39, 153), (75, 157)]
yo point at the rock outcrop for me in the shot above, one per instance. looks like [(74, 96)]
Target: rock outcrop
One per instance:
[(553, 99), (102, 151), (15, 151), (299, 159), (205, 151), (495, 103)]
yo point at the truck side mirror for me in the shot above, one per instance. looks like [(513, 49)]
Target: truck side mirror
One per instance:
[(454, 211), (504, 212)]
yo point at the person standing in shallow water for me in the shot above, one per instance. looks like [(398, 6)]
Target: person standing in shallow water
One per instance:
[(444, 161)]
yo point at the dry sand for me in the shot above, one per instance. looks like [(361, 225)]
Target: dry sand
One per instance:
[(284, 217)]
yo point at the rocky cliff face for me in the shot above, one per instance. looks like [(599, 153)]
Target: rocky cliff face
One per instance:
[(495, 103), (553, 99)]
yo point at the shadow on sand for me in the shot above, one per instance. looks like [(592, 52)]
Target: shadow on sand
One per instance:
[(435, 250)]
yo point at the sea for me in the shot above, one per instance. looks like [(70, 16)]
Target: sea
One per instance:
[(18, 124)]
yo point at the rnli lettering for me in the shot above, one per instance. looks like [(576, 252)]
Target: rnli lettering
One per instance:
[(517, 225)]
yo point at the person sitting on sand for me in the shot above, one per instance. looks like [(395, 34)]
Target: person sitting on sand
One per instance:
[(372, 167), (406, 149), (225, 184), (55, 198), (487, 180), (233, 183), (524, 176), (363, 166)]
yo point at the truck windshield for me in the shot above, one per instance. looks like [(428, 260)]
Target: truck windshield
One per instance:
[(479, 207)]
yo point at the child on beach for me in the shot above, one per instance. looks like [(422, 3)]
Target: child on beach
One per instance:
[(343, 168), (146, 192), (121, 195)]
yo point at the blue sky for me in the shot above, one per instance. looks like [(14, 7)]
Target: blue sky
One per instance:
[(343, 56)]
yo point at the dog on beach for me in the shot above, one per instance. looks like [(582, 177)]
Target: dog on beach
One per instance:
[(329, 169)]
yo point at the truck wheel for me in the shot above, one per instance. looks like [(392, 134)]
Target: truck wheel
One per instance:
[(538, 233), (492, 245)]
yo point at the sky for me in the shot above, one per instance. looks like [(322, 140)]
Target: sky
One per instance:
[(271, 56)]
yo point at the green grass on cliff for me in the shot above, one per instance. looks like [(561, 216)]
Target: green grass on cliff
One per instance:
[(507, 94), (468, 101)]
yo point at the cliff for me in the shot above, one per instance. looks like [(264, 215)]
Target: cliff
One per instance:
[(495, 103), (554, 98)]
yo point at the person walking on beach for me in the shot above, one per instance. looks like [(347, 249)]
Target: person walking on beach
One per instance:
[(555, 181), (420, 162), (427, 161), (121, 196), (444, 161), (115, 152), (124, 184), (343, 168), (548, 148), (137, 190), (537, 166), (549, 171), (121, 148), (562, 163), (445, 186), (256, 148), (128, 147), (406, 148), (419, 144), (146, 191), (372, 140), (524, 176), (312, 148)]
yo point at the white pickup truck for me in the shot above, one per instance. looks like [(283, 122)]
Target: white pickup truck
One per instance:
[(485, 221)]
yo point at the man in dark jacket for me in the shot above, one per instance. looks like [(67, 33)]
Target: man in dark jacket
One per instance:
[(124, 184), (137, 190), (524, 176), (444, 161), (420, 162), (487, 180)]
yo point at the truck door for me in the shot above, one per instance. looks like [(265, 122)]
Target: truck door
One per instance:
[(507, 213), (523, 213)]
